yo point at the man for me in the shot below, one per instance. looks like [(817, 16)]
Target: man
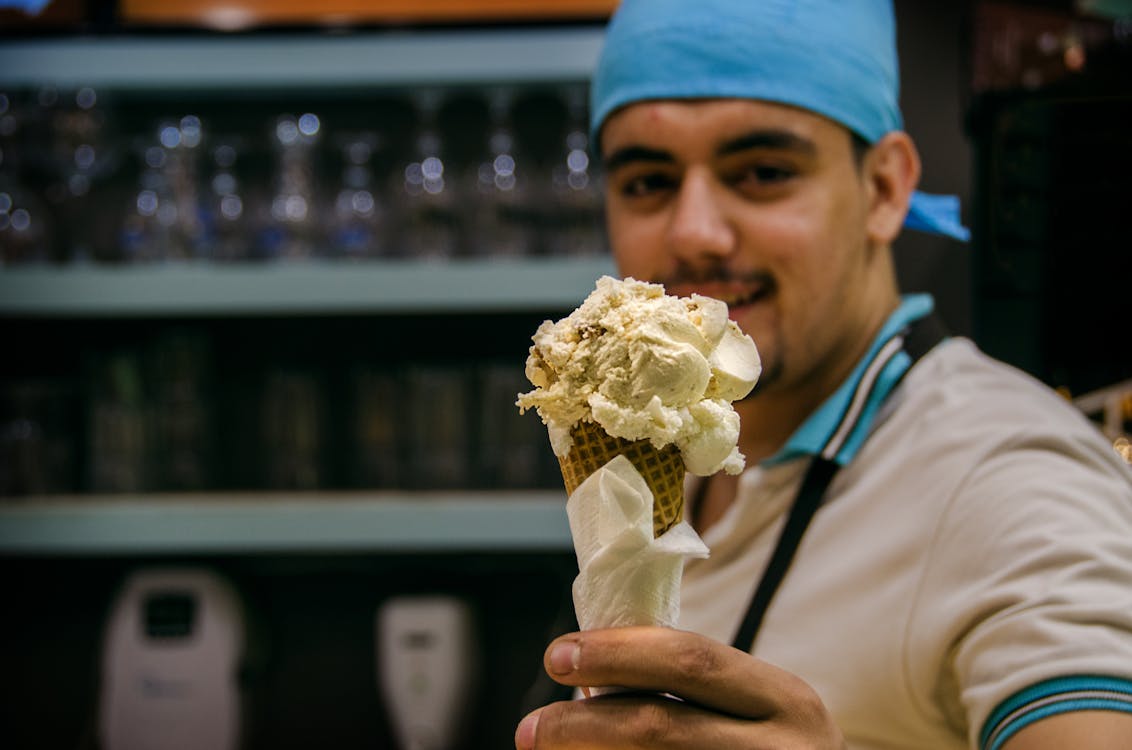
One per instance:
[(956, 570)]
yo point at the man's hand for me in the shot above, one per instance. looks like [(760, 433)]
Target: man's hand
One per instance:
[(681, 690)]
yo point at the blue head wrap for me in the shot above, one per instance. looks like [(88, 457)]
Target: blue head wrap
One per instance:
[(833, 57)]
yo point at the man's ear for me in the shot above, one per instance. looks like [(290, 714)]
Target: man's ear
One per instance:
[(891, 171)]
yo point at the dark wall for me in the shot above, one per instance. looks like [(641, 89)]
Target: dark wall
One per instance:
[(1021, 109), (932, 41)]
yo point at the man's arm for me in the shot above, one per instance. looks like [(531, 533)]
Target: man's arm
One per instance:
[(1079, 730)]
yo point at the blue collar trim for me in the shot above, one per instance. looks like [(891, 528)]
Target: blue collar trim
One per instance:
[(827, 429)]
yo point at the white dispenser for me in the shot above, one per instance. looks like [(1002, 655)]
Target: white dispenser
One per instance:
[(172, 651), (426, 663)]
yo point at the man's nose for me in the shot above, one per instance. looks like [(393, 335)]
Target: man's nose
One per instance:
[(699, 229)]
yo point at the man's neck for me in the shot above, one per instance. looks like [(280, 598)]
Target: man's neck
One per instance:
[(769, 418), (767, 423)]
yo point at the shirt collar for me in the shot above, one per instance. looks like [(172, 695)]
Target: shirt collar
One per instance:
[(840, 425)]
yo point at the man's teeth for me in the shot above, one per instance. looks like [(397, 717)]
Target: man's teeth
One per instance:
[(734, 300)]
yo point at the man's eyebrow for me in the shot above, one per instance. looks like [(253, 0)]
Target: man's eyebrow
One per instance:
[(779, 140), (629, 154)]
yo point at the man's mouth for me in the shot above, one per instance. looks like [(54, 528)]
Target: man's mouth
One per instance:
[(737, 295), (748, 297)]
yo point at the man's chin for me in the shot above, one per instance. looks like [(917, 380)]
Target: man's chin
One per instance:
[(771, 375)]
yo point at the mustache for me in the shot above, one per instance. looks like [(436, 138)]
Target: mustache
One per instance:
[(716, 274)]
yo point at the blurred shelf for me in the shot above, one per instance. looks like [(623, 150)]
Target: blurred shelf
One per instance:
[(297, 288), (291, 61), (240, 14), (253, 523), (238, 523)]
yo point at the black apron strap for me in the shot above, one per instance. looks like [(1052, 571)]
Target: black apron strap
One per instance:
[(818, 478), (922, 336), (917, 340)]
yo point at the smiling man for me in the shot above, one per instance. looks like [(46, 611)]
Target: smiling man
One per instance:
[(928, 549), (768, 208)]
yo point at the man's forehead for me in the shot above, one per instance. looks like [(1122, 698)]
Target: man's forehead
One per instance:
[(715, 122)]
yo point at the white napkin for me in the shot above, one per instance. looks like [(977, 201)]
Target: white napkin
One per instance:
[(626, 577)]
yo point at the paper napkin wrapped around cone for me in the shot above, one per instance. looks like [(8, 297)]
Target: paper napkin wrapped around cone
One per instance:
[(626, 576)]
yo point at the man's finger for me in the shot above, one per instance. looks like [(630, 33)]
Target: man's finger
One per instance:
[(636, 721), (687, 665)]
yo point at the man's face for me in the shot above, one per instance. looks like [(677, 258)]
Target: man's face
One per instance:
[(760, 205)]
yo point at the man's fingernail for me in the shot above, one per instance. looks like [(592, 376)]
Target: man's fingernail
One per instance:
[(564, 657), (525, 734)]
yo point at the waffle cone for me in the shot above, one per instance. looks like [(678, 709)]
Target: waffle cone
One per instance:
[(662, 469)]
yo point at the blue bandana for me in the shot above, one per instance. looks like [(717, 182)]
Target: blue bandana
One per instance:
[(833, 57)]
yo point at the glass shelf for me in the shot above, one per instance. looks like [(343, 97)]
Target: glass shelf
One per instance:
[(248, 523), (290, 61), (294, 288)]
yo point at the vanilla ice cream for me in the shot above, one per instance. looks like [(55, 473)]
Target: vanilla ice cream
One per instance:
[(645, 365)]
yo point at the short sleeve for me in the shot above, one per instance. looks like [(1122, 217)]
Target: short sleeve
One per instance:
[(1031, 585)]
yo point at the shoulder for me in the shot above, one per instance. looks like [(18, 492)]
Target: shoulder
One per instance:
[(997, 442), (1025, 578), (959, 390), (957, 375)]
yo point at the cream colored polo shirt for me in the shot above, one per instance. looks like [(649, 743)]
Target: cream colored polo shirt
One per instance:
[(969, 572)]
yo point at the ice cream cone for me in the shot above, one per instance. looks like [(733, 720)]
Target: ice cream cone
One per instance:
[(662, 469)]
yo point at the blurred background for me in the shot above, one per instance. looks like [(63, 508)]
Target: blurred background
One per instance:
[(268, 276)]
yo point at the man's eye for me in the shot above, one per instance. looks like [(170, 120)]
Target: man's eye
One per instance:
[(767, 174), (646, 184)]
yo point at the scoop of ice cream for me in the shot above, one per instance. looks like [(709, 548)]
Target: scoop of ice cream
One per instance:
[(645, 365)]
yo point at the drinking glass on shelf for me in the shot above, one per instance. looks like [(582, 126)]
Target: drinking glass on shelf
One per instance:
[(25, 224), (147, 226), (25, 235), (422, 193), (226, 216), (498, 197), (289, 219), (358, 215), (576, 227), (82, 159), (165, 220), (183, 141)]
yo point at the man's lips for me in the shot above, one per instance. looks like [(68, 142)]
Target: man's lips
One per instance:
[(736, 295)]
